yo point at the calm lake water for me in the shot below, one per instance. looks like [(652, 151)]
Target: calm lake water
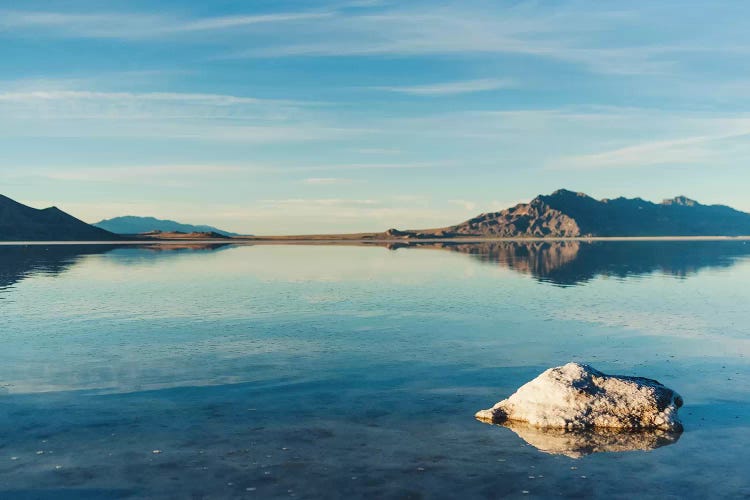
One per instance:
[(340, 371)]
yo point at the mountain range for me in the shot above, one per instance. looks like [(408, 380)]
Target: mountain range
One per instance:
[(130, 224), (563, 214), (569, 214)]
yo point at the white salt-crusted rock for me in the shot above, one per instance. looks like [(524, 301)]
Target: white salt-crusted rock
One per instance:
[(576, 396)]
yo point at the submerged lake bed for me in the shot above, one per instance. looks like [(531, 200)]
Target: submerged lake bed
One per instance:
[(218, 371)]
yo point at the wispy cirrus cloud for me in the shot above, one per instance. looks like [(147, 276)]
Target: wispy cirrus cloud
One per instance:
[(141, 173), (66, 112), (157, 172), (377, 214), (169, 130), (683, 151), (326, 181), (36, 96), (566, 33), (135, 25), (695, 149), (228, 22), (294, 215), (452, 88), (465, 204), (317, 202), (378, 151)]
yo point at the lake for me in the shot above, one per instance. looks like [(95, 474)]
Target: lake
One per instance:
[(309, 371)]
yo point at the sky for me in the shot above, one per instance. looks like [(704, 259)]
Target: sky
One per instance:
[(288, 117)]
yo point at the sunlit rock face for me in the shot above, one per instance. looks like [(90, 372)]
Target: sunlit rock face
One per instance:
[(579, 443), (577, 397), (536, 219)]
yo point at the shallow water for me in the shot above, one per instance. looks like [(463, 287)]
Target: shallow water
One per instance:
[(336, 371)]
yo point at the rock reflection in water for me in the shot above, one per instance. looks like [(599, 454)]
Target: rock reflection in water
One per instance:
[(577, 444), (18, 262), (568, 263), (563, 263)]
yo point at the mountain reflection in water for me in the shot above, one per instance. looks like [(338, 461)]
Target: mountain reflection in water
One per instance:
[(567, 263), (18, 262), (562, 263)]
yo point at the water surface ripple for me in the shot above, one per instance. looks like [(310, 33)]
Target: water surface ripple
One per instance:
[(345, 371)]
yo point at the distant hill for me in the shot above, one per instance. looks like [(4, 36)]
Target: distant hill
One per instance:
[(131, 224), (177, 235), (21, 223), (569, 214)]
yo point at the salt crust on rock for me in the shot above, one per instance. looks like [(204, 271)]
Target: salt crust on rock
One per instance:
[(576, 396)]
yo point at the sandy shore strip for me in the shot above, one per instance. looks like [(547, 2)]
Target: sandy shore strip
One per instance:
[(336, 239)]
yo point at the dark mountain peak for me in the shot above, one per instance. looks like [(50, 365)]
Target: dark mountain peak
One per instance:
[(563, 196), (8, 202), (19, 222), (681, 201), (619, 199), (567, 193)]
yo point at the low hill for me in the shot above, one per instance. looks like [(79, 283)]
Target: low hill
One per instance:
[(131, 224), (178, 235), (21, 223)]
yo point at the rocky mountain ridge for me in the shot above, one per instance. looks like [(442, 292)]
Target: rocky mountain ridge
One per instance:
[(567, 213)]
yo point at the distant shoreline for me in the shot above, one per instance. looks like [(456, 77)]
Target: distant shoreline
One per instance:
[(321, 240)]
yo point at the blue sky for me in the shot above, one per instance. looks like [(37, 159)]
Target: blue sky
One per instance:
[(288, 117)]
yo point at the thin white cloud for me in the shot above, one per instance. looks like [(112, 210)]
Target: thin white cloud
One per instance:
[(92, 25), (203, 116), (140, 173), (452, 88), (566, 34), (378, 151), (133, 26), (142, 128), (73, 95), (25, 101), (465, 204), (498, 206), (326, 181), (158, 172), (222, 23), (319, 201), (685, 150), (586, 36), (384, 166), (301, 215)]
